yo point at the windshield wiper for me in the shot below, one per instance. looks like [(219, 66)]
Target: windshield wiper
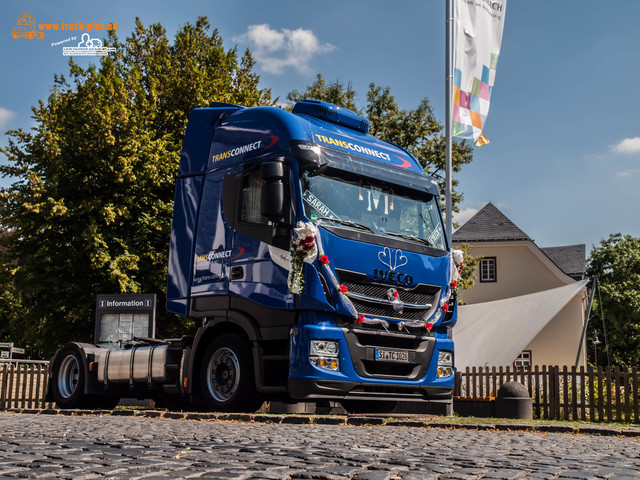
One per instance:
[(408, 236), (347, 223)]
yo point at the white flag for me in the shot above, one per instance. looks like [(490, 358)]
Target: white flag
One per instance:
[(477, 38)]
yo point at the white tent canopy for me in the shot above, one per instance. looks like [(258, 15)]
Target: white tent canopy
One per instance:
[(494, 333)]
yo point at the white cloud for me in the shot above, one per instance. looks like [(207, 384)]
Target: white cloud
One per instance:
[(464, 215), (627, 173), (628, 145), (275, 51), (6, 116)]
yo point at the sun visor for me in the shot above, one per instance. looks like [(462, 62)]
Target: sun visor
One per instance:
[(360, 166)]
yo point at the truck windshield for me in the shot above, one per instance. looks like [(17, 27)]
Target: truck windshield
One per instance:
[(374, 206)]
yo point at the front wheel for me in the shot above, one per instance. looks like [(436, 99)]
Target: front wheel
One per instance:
[(68, 379), (227, 379)]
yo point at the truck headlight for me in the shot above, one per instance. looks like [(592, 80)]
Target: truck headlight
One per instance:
[(324, 354), (445, 364), (323, 348)]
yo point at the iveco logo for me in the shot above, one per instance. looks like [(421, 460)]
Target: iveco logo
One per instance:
[(392, 259)]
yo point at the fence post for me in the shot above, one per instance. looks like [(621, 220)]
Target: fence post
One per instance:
[(10, 388), (555, 388), (3, 392), (473, 383), (536, 407), (583, 395), (565, 392), (25, 379), (634, 395), (494, 382), (32, 369), (16, 392), (467, 382), (617, 383), (609, 400), (628, 388), (545, 393)]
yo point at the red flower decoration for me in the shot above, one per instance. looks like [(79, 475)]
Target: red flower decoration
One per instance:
[(428, 326), (343, 288), (445, 307), (360, 319), (395, 294), (454, 284), (323, 260)]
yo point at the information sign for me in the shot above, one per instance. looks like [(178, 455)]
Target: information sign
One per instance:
[(120, 318)]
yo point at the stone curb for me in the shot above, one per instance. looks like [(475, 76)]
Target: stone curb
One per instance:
[(354, 420)]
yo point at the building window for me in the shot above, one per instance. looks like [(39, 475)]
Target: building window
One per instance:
[(523, 360), (488, 269)]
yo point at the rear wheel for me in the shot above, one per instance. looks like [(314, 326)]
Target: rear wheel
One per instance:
[(68, 379), (227, 380)]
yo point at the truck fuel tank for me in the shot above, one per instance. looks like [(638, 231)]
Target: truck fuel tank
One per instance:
[(137, 364)]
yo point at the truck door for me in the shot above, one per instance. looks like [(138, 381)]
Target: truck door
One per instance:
[(253, 275), (213, 249)]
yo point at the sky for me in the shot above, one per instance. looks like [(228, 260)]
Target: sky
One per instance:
[(564, 124)]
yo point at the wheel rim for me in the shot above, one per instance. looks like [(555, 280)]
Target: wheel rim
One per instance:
[(68, 376), (223, 374)]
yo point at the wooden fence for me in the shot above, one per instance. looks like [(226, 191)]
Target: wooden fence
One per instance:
[(23, 384), (602, 395)]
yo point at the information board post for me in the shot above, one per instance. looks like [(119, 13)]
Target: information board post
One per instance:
[(9, 352), (120, 318)]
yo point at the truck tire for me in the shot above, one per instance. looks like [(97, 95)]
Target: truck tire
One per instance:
[(68, 379), (227, 380)]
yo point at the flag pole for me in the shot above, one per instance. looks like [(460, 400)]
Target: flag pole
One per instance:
[(448, 93)]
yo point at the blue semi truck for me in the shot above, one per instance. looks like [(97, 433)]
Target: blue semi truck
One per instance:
[(314, 256)]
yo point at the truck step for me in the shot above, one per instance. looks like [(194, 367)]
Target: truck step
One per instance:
[(277, 358), (171, 389)]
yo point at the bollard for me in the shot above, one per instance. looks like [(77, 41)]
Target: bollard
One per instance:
[(513, 401)]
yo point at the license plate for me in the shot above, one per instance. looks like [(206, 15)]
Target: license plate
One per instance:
[(392, 356)]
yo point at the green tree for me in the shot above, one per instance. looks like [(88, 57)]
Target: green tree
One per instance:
[(90, 209), (415, 130), (616, 262)]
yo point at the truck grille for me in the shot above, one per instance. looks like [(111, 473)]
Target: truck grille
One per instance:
[(371, 298), (363, 343)]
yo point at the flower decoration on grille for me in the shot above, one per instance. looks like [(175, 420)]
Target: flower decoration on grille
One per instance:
[(394, 298), (302, 249)]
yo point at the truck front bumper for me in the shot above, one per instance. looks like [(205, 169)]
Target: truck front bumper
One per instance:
[(312, 389)]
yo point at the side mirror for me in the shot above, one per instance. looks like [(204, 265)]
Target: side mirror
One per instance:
[(272, 195)]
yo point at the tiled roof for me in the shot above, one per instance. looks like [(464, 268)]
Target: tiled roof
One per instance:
[(571, 259), (489, 225)]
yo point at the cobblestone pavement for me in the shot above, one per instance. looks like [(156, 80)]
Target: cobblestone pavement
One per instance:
[(83, 447)]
